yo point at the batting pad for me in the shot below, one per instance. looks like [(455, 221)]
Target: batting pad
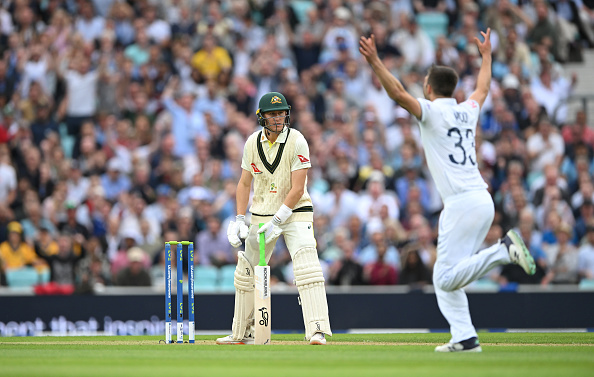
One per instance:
[(310, 283), (243, 315)]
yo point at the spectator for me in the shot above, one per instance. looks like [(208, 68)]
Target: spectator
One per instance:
[(586, 254), (375, 197), (135, 275), (551, 91), (413, 272), (212, 245), (346, 270), (158, 30), (15, 252), (114, 182), (63, 265), (544, 31), (212, 61), (8, 177), (188, 123), (108, 70), (545, 147), (81, 92), (371, 253), (89, 25), (578, 131), (562, 258), (414, 44), (379, 272)]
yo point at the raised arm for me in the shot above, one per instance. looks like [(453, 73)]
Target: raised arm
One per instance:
[(483, 82), (393, 86)]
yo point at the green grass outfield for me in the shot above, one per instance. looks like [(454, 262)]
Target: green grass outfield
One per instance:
[(504, 354)]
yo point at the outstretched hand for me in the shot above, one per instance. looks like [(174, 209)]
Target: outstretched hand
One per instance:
[(367, 48), (485, 46)]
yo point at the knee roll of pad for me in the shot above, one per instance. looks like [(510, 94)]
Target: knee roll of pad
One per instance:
[(244, 274), (310, 283), (244, 297)]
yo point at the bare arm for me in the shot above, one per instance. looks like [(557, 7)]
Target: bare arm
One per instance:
[(393, 86), (243, 192), (297, 188), (483, 82)]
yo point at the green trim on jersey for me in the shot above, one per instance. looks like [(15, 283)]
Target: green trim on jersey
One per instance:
[(271, 167)]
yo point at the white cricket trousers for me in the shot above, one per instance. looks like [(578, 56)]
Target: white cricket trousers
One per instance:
[(297, 234), (463, 225)]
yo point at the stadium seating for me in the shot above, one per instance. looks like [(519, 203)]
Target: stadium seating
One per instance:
[(434, 24), (227, 277), (205, 277), (300, 7), (587, 285), (22, 277), (67, 141)]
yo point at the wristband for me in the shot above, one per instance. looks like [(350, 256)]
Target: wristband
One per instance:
[(240, 218), (282, 214)]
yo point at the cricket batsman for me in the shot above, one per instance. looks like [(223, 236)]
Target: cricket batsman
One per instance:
[(276, 159)]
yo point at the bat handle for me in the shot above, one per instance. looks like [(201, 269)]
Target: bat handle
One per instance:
[(262, 247)]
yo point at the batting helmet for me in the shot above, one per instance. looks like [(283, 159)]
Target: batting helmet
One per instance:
[(273, 101)]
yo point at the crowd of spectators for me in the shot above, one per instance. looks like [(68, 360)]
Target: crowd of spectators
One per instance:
[(122, 125)]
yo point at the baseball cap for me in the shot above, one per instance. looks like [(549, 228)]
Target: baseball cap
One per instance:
[(565, 228), (135, 254), (15, 226), (199, 193), (510, 81), (376, 176), (70, 204), (114, 164), (401, 113), (342, 13), (131, 234)]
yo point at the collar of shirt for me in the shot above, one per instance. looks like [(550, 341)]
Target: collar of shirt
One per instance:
[(446, 100), (282, 137)]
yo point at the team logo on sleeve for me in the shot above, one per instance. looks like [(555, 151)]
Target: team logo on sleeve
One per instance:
[(255, 169), (273, 188), (303, 160), (276, 99)]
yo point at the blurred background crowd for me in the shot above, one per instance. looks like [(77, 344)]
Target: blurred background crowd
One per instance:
[(122, 125)]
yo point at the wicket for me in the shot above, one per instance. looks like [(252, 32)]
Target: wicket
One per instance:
[(180, 292)]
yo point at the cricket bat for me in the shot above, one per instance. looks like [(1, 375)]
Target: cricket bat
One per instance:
[(262, 297)]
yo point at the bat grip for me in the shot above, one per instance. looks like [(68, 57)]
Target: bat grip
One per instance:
[(262, 247)]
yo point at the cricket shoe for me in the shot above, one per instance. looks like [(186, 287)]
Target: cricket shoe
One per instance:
[(229, 340), (518, 252), (468, 345), (318, 339)]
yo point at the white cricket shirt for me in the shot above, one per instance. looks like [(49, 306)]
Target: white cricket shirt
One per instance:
[(447, 133)]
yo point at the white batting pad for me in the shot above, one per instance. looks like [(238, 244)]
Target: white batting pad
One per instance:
[(310, 283), (243, 315)]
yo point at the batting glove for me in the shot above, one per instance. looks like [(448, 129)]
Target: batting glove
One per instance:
[(236, 230), (272, 228)]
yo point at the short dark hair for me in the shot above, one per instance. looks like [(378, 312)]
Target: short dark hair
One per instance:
[(443, 80)]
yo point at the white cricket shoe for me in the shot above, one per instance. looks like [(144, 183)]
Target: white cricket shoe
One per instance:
[(318, 339), (468, 345), (518, 252), (229, 340)]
